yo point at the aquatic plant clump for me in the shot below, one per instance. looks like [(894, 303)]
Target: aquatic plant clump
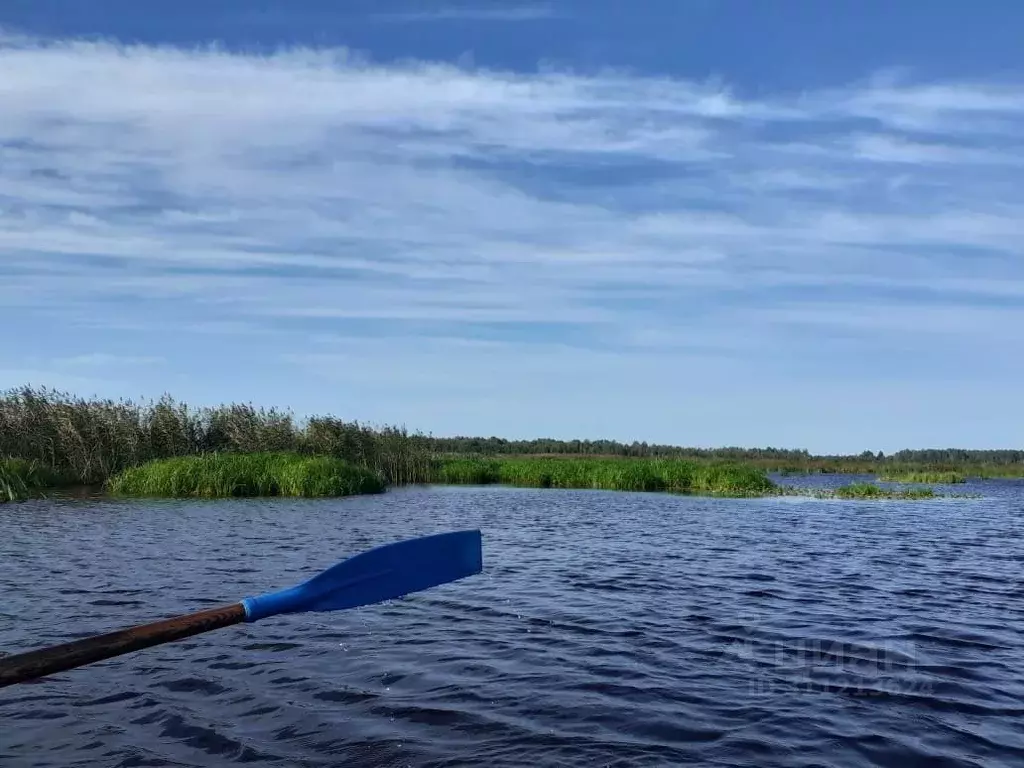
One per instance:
[(21, 479), (251, 474), (669, 475), (872, 491), (923, 477)]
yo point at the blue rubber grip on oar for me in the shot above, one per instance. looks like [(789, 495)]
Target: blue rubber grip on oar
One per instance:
[(384, 573), (272, 604)]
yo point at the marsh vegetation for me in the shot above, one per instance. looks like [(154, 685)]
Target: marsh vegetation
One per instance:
[(21, 479), (923, 476), (69, 440), (246, 474), (872, 491), (672, 475), (51, 439)]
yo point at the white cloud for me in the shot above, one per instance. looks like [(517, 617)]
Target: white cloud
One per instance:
[(973, 107), (670, 223)]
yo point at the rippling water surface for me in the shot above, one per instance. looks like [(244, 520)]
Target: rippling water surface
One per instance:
[(606, 629)]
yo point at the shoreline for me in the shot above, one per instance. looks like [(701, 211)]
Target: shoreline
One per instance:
[(50, 439), (273, 475)]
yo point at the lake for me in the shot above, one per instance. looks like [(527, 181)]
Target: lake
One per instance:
[(607, 629)]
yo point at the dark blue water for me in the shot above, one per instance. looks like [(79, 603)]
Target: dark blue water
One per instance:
[(607, 629)]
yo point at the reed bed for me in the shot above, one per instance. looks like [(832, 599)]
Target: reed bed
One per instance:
[(250, 474), (21, 479), (947, 478), (671, 475), (727, 479), (87, 441)]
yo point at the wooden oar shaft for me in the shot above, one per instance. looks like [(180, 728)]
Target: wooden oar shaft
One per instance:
[(23, 667)]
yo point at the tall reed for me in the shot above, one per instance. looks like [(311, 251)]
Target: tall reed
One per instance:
[(87, 441)]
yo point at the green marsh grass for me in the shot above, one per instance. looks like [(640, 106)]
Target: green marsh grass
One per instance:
[(250, 474), (923, 476), (872, 491), (617, 474), (21, 479)]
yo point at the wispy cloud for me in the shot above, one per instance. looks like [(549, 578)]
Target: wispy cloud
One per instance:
[(315, 199), (506, 12), (107, 360)]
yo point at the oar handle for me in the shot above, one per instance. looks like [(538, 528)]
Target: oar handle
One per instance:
[(23, 667)]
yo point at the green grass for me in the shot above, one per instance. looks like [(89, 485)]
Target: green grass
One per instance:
[(886, 469), (672, 475), (251, 474), (923, 477), (21, 479), (220, 475), (667, 475), (872, 491)]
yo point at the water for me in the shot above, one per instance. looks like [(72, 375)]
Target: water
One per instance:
[(607, 629)]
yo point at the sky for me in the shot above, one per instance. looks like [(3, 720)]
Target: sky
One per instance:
[(795, 224)]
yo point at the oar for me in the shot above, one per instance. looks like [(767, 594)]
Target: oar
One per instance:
[(374, 576)]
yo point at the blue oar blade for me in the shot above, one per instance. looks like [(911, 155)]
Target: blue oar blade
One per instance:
[(380, 574)]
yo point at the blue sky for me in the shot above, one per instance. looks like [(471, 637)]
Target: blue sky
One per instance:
[(713, 222)]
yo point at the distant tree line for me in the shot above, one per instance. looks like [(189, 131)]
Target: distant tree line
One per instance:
[(499, 446), (998, 457)]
